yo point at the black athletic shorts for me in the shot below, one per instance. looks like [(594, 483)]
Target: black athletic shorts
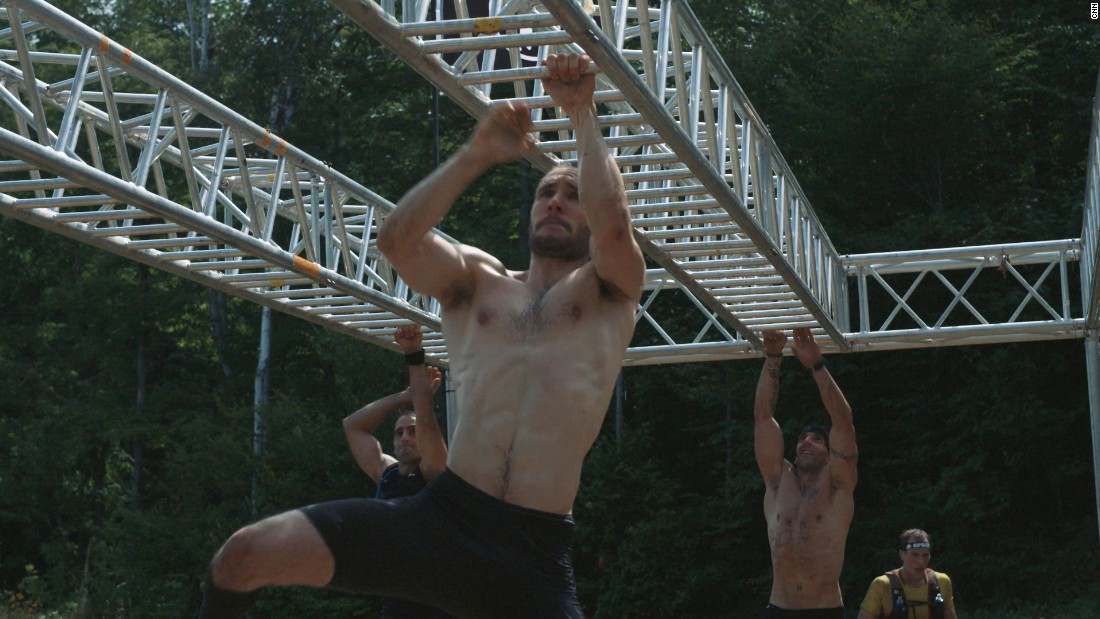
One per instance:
[(453, 547), (774, 612)]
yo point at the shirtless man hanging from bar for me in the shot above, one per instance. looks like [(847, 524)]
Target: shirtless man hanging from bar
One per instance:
[(808, 503), (534, 356)]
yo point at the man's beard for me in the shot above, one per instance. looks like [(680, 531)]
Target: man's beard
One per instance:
[(571, 248)]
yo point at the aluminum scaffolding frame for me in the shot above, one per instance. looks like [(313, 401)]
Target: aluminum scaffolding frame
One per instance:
[(321, 264), (111, 150)]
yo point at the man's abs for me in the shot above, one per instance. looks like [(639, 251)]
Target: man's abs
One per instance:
[(533, 374), (530, 454), (526, 419)]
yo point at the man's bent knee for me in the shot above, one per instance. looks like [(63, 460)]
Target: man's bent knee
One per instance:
[(282, 550), (235, 565)]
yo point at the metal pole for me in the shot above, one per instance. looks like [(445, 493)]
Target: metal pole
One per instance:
[(1092, 357)]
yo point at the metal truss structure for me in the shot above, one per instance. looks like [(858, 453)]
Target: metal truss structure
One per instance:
[(111, 150), (187, 185)]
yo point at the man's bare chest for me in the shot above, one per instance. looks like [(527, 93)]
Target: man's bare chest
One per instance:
[(531, 316), (513, 311), (803, 508)]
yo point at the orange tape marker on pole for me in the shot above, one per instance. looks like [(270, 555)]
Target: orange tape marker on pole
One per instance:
[(307, 266)]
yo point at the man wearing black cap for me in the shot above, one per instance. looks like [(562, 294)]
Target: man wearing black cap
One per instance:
[(808, 503)]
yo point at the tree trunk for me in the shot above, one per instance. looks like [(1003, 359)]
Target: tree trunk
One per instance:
[(219, 327), (204, 41), (288, 104), (138, 455), (263, 371), (259, 401), (199, 34), (191, 35), (139, 445), (82, 599)]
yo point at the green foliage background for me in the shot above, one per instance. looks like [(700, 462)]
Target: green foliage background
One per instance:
[(910, 124)]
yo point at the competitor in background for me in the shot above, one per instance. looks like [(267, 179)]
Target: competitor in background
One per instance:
[(809, 503), (912, 591), (419, 451)]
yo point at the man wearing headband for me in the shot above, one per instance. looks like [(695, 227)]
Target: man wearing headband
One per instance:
[(913, 591), (808, 503)]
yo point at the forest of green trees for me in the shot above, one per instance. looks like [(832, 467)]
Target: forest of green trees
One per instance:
[(126, 394)]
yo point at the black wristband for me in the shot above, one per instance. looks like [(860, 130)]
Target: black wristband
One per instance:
[(777, 355), (415, 358), (819, 365)]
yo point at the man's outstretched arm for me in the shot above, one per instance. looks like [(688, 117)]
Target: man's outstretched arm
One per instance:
[(842, 434), (767, 435), (615, 254), (428, 263), (423, 383)]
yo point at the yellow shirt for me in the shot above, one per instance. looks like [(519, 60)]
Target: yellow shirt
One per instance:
[(880, 597)]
